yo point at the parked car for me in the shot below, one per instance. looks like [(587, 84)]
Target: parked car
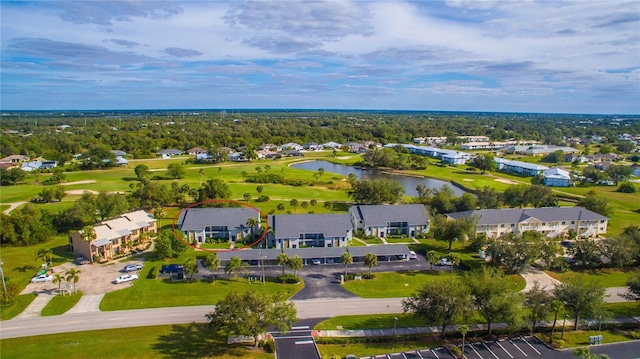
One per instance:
[(413, 255), (80, 260), (132, 267), (125, 278), (172, 268), (316, 261), (445, 262), (329, 260), (41, 278)]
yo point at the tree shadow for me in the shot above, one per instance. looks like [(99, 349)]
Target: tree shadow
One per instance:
[(196, 341), (25, 268), (63, 252)]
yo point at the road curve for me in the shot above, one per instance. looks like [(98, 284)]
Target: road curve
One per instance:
[(307, 309)]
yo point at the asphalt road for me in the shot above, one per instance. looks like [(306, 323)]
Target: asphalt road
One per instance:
[(307, 309)]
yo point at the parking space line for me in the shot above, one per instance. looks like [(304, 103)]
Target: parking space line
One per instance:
[(434, 353), (536, 350), (517, 347), (304, 342), (490, 351), (474, 349), (505, 350)]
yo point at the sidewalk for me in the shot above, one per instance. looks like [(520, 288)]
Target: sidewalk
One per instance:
[(35, 308), (450, 329)]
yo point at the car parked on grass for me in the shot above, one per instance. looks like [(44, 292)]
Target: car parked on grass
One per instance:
[(125, 278), (132, 267), (172, 268), (41, 278)]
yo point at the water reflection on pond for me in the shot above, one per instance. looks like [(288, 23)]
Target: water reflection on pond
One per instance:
[(408, 182)]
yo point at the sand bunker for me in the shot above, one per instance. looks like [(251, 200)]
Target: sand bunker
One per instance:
[(80, 191), (468, 179), (505, 181), (77, 182)]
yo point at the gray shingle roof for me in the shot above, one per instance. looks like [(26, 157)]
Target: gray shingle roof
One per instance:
[(291, 225), (515, 215), (384, 250), (380, 215), (195, 219)]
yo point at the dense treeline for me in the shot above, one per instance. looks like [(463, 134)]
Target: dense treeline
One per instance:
[(143, 135)]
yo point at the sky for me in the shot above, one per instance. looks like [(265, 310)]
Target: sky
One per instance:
[(453, 55)]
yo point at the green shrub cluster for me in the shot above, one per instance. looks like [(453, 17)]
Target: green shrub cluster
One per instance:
[(269, 345), (153, 273), (289, 279)]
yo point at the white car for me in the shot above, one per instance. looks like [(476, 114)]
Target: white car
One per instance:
[(413, 255), (125, 278), (445, 262), (316, 261), (41, 278)]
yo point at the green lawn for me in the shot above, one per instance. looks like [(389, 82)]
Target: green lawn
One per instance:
[(371, 349), (580, 338), (61, 304), (156, 293), (167, 341), (623, 309), (383, 321), (399, 240), (22, 302), (607, 277)]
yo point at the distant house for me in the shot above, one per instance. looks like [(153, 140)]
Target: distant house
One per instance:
[(292, 146), (309, 230), (384, 220), (169, 152), (550, 221), (228, 224), (332, 145), (538, 150), (121, 159), (38, 165), (520, 168), (454, 157), (112, 236), (602, 166), (269, 147), (291, 153), (356, 147), (557, 177), (196, 151), (635, 170), (312, 146), (15, 159)]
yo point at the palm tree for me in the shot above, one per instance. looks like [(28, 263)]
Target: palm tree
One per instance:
[(433, 257), (304, 204), (46, 254), (281, 207), (57, 279), (89, 234), (282, 259), (371, 260), (463, 330), (556, 307), (212, 262), (328, 205), (73, 275), (295, 263), (251, 223), (294, 203), (346, 259), (313, 202), (235, 266), (454, 259)]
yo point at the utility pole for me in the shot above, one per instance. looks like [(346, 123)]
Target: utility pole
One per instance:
[(262, 265), (4, 285)]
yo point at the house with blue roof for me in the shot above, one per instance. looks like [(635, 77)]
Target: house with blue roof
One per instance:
[(550, 221), (384, 220), (519, 168), (309, 230), (229, 224), (557, 177)]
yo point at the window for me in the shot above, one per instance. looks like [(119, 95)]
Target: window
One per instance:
[(502, 225), (602, 221), (513, 225), (563, 222), (572, 222)]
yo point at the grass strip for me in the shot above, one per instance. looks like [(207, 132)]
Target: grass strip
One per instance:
[(60, 304)]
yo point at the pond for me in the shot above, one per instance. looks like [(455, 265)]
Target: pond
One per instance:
[(408, 182)]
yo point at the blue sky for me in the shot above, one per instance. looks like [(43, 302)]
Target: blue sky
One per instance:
[(457, 55)]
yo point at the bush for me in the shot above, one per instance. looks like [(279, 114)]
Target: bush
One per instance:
[(153, 273), (269, 345), (368, 276), (635, 334), (289, 279), (627, 187), (263, 198)]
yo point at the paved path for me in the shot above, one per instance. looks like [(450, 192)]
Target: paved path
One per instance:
[(87, 304), (532, 275), (12, 206), (35, 308)]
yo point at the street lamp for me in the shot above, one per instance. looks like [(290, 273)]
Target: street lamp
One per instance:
[(395, 320), (4, 285), (563, 323), (262, 265)]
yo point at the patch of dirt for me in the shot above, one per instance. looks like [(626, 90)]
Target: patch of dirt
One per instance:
[(77, 182), (505, 181), (81, 191)]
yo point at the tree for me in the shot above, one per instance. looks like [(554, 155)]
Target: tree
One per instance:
[(378, 191), (634, 288), (175, 170), (512, 252), (484, 162), (251, 313), (626, 187), (281, 207), (283, 260), (453, 230), (141, 171), (443, 200), (58, 279), (585, 353), (246, 196), (585, 252), (370, 260), (109, 205), (466, 202), (213, 188), (548, 251), (541, 196), (433, 257), (494, 296), (328, 205), (259, 189), (556, 307), (167, 245), (439, 302), (235, 266), (619, 173), (593, 175), (212, 262), (580, 296), (626, 146), (596, 204), (464, 329), (294, 203), (73, 275), (11, 176), (346, 259), (295, 263), (515, 196), (621, 251), (537, 301), (46, 255), (190, 267), (313, 203), (304, 205)]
